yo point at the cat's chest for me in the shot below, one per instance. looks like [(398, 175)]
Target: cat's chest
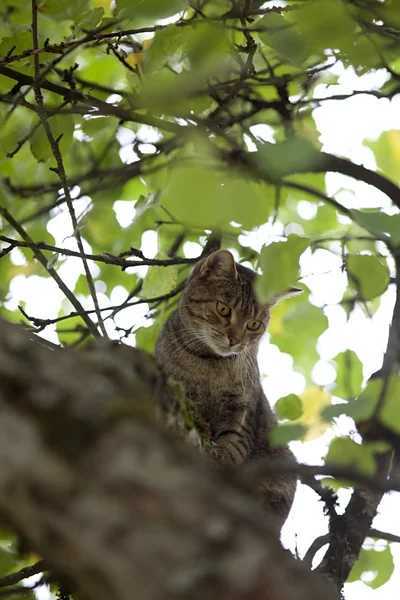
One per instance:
[(217, 385), (201, 384)]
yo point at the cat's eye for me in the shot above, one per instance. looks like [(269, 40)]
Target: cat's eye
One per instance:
[(223, 309), (253, 325)]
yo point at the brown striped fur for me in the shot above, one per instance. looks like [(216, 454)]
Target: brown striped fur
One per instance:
[(214, 357)]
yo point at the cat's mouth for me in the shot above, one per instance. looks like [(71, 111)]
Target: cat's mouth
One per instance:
[(225, 350), (220, 345)]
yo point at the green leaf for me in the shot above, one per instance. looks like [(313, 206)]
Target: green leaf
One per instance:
[(207, 51), (205, 198), (360, 409), (331, 27), (284, 37), (165, 47), (368, 275), (295, 155), (380, 224), (295, 327), (7, 536), (387, 394), (101, 227), (282, 434), (378, 562), (88, 21), (12, 130), (94, 125), (133, 189), (146, 337), (348, 375), (81, 286), (64, 9), (62, 128), (216, 8), (280, 266), (8, 561), (99, 66), (345, 452), (160, 281), (150, 9), (290, 407), (387, 153)]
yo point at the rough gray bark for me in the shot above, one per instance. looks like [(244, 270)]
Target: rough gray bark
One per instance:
[(113, 502)]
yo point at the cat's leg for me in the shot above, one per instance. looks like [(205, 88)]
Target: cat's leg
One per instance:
[(232, 442), (276, 491), (230, 447)]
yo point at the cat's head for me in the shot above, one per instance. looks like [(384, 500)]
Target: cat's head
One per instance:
[(219, 306)]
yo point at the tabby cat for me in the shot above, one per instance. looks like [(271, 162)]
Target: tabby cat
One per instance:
[(210, 344)]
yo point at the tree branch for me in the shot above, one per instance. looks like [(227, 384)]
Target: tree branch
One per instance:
[(348, 532), (323, 540), (61, 170), (24, 573), (99, 489), (44, 262), (106, 258)]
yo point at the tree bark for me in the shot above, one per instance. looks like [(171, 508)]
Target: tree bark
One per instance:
[(115, 504)]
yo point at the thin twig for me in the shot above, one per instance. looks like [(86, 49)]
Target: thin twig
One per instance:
[(322, 540), (61, 171), (24, 573), (43, 261), (43, 323), (106, 258)]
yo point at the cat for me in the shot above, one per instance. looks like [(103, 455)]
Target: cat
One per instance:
[(209, 345)]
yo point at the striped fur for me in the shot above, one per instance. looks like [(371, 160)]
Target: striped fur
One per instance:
[(214, 357)]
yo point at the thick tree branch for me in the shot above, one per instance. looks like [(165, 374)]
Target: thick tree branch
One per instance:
[(99, 489), (276, 161), (323, 540), (348, 532)]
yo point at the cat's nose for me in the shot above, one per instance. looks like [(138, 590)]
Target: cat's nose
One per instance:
[(233, 341)]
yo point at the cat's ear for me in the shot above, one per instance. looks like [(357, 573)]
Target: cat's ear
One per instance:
[(219, 263), (292, 291)]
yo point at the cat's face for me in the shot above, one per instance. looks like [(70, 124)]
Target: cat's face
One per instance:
[(219, 308)]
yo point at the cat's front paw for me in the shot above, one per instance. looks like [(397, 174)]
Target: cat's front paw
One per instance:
[(215, 452)]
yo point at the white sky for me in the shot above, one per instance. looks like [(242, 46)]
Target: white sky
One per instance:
[(344, 126)]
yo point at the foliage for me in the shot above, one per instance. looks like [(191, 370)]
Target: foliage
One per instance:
[(124, 135)]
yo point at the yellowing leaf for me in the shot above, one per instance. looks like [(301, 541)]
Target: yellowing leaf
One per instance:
[(394, 144), (314, 399), (134, 59), (387, 153), (146, 43), (275, 326)]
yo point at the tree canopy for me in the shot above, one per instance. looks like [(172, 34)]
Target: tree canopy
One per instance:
[(137, 136)]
